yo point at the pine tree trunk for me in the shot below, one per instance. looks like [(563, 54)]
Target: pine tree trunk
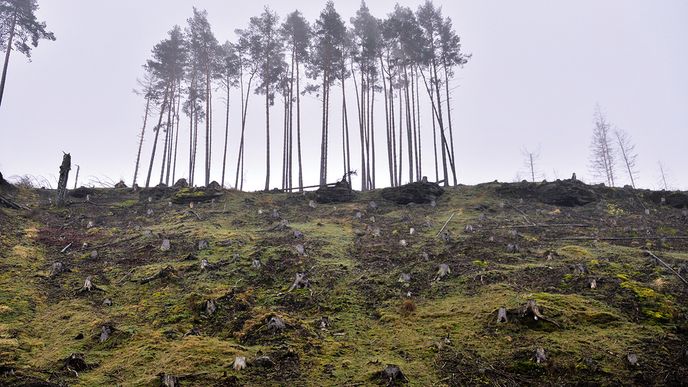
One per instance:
[(176, 134), (267, 136), (143, 132), (157, 133), (224, 152), (449, 121), (167, 137), (409, 128), (359, 104), (298, 124), (389, 144), (208, 119), (7, 56)]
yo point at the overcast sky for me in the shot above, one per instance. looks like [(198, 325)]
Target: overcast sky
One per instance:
[(538, 69)]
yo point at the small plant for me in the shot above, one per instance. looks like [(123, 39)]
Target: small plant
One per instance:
[(408, 307)]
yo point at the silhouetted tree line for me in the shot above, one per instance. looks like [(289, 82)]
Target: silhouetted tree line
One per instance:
[(403, 63)]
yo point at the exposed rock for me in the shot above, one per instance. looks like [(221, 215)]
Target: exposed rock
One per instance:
[(76, 362), (81, 192), (568, 193), (181, 183), (676, 199), (276, 324), (196, 195), (391, 375), (418, 192), (339, 193)]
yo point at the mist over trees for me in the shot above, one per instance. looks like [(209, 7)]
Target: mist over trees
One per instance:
[(401, 64)]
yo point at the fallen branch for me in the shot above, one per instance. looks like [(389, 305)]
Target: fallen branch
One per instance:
[(445, 224), (541, 225), (126, 276), (194, 213), (617, 238), (522, 214), (648, 252), (10, 204), (66, 247)]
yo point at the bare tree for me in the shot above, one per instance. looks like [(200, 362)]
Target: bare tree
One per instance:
[(663, 177), (531, 160), (628, 154), (602, 160)]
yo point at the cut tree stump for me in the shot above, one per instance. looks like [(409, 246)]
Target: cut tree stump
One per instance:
[(239, 363), (168, 380), (442, 272), (531, 310), (105, 332), (501, 315), (88, 286), (300, 282)]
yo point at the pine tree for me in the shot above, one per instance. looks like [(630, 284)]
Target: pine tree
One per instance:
[(23, 31)]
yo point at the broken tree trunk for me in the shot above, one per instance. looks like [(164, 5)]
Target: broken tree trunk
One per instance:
[(62, 182), (239, 363), (5, 202)]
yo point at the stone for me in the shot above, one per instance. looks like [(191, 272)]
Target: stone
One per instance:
[(417, 192)]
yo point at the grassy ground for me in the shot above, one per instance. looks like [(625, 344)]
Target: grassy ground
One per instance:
[(439, 332)]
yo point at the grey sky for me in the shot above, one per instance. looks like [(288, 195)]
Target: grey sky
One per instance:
[(538, 68)]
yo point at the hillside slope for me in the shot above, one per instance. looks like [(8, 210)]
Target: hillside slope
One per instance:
[(373, 294)]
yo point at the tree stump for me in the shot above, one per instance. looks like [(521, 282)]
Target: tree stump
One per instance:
[(239, 363), (501, 315), (105, 332), (62, 182), (540, 356), (442, 272), (168, 380), (300, 282)]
